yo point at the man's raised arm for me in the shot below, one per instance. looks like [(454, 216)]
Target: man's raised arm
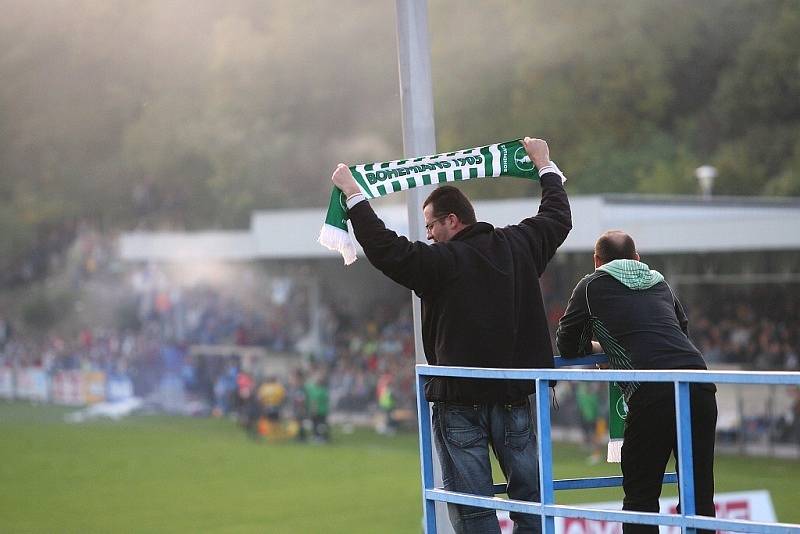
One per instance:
[(551, 225)]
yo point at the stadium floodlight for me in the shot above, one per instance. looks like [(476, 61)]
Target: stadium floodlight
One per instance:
[(705, 175)]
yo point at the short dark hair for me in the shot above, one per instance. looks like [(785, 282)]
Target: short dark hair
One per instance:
[(448, 199), (615, 245)]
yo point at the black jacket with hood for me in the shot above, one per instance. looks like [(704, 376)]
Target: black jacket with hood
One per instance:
[(634, 315), (481, 301)]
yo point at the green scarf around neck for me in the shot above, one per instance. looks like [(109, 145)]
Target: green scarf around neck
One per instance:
[(380, 179), (632, 273)]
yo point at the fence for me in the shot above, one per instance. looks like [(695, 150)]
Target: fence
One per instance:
[(547, 509), (71, 388)]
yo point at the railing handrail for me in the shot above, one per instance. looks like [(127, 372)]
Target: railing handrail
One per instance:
[(616, 375), (547, 509)]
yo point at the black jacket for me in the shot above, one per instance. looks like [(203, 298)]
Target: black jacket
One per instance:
[(638, 329), (481, 301)]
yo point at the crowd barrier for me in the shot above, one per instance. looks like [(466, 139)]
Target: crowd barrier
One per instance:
[(71, 388), (686, 520)]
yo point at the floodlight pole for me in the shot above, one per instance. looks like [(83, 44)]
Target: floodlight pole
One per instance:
[(419, 139), (416, 100)]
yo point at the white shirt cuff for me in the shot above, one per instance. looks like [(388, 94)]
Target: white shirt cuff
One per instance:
[(552, 167), (354, 199)]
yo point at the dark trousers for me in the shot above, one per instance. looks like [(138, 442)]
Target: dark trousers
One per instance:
[(463, 435), (650, 438)]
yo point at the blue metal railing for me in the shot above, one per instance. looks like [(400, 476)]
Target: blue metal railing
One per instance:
[(547, 509)]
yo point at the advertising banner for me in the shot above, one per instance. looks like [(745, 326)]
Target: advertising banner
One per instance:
[(31, 384), (118, 388), (94, 386), (67, 388), (6, 383), (745, 505)]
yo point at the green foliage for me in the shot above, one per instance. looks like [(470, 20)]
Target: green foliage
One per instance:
[(788, 182), (762, 88), (185, 115), (126, 316), (757, 107), (43, 309), (15, 237), (752, 161)]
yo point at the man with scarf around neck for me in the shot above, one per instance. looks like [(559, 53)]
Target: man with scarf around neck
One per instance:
[(635, 318), (481, 307)]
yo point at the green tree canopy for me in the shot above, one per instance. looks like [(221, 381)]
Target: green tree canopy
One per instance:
[(191, 115)]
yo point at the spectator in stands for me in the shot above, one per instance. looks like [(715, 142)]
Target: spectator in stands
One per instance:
[(384, 392), (244, 391), (587, 395), (297, 402), (271, 395), (751, 326), (252, 412), (318, 406), (795, 411)]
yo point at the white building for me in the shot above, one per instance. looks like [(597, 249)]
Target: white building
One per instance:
[(660, 225)]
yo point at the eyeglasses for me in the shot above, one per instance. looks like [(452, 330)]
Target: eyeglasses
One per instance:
[(437, 219)]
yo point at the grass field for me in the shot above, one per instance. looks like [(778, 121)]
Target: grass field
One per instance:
[(169, 474)]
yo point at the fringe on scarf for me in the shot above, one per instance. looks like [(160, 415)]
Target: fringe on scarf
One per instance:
[(614, 451), (338, 240), (617, 412)]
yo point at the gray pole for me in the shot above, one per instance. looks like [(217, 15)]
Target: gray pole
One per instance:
[(419, 139), (416, 99)]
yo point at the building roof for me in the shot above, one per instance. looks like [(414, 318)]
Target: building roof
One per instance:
[(659, 224)]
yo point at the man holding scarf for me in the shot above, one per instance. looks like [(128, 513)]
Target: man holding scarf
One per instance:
[(481, 307)]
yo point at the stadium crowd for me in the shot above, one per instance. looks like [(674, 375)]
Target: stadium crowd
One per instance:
[(757, 329), (364, 362)]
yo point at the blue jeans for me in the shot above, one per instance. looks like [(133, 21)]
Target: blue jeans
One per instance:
[(463, 434)]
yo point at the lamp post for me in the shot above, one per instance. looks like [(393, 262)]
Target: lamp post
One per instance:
[(419, 138), (705, 175)]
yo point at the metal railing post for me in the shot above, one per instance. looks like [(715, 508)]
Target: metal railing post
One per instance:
[(547, 509), (683, 421), (545, 452), (425, 455)]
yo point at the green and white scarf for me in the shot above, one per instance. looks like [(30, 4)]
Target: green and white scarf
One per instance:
[(617, 411), (379, 179), (637, 276)]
